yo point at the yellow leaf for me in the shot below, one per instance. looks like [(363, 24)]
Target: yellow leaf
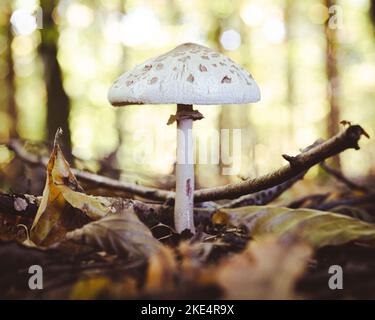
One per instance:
[(90, 288), (320, 228), (55, 215), (162, 269)]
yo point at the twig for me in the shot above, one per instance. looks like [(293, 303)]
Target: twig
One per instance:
[(340, 177), (298, 164), (100, 181), (266, 196), (314, 199), (346, 140), (368, 198)]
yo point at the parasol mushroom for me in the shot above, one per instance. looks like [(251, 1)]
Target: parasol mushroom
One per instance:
[(189, 74)]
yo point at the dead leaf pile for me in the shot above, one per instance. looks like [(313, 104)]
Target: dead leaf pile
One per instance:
[(96, 247)]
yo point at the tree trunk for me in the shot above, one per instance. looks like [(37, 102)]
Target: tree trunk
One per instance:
[(224, 120), (58, 103), (290, 97), (332, 78), (9, 82)]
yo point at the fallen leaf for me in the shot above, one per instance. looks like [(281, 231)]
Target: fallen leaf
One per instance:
[(267, 269), (90, 288), (162, 271), (319, 228), (103, 287), (122, 234), (62, 193)]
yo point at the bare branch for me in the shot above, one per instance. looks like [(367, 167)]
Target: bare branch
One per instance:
[(100, 181), (340, 177), (348, 139)]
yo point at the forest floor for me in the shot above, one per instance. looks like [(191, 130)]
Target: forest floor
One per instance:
[(311, 240)]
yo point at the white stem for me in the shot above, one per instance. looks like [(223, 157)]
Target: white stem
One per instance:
[(184, 201)]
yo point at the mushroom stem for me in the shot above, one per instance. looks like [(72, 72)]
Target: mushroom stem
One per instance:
[(184, 201)]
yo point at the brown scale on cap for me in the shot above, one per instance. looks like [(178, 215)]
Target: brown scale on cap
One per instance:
[(190, 78), (202, 68), (205, 57), (153, 80), (177, 54), (184, 59), (226, 79), (159, 66), (147, 67)]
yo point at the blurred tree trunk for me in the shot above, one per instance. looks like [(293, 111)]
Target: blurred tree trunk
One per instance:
[(58, 103), (243, 119), (372, 12), (332, 77), (11, 87), (290, 97), (9, 78), (225, 112)]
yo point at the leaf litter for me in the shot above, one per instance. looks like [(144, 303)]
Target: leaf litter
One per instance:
[(93, 248)]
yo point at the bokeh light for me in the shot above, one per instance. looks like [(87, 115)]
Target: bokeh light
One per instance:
[(230, 40), (23, 22)]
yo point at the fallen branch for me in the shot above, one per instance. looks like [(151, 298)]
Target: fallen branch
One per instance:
[(319, 201), (340, 177), (355, 201), (100, 181), (266, 196), (263, 197), (348, 139)]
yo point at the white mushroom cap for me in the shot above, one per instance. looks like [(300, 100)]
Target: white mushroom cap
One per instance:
[(189, 74)]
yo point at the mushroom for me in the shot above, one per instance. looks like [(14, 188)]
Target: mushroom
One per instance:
[(189, 74)]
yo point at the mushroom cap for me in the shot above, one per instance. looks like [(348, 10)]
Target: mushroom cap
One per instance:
[(188, 74)]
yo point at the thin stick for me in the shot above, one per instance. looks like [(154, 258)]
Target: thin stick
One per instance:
[(340, 177), (100, 181), (298, 164)]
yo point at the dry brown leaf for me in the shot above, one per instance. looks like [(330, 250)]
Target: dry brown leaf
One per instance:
[(62, 193), (319, 228), (267, 269), (162, 271), (122, 234)]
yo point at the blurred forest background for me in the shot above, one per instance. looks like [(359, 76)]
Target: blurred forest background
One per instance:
[(315, 66)]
